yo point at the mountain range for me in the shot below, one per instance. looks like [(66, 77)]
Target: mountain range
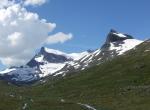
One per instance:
[(113, 77), (54, 63)]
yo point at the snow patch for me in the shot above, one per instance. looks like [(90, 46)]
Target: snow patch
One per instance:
[(125, 46), (7, 71), (48, 50), (24, 74), (120, 35), (146, 50), (98, 52), (74, 56), (50, 68), (87, 106), (39, 59), (24, 106), (77, 56), (58, 73), (84, 58)]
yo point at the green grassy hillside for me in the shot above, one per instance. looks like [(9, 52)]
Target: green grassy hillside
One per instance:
[(120, 84)]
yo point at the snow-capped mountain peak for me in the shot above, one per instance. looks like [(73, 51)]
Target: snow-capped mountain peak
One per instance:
[(114, 36), (119, 42), (48, 50), (124, 46), (73, 56), (77, 56), (50, 62)]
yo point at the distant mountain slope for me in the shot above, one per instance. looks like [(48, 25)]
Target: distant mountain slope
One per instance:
[(122, 83), (54, 63)]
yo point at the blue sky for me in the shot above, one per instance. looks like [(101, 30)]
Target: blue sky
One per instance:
[(90, 20)]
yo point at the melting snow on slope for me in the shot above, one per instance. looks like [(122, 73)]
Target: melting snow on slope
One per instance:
[(7, 71), (127, 45), (24, 106), (74, 56), (77, 56), (87, 106), (39, 59), (119, 34), (23, 74), (57, 52), (53, 68), (97, 52), (50, 68)]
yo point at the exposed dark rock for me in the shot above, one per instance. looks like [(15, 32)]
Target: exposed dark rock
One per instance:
[(49, 57), (113, 37)]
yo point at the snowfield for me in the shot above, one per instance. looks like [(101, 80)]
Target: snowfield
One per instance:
[(125, 46)]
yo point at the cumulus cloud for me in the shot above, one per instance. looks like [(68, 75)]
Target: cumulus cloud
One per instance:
[(34, 2), (6, 3), (21, 32), (59, 37)]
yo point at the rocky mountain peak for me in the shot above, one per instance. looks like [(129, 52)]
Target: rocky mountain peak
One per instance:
[(48, 55), (51, 62), (113, 31), (42, 50), (114, 36)]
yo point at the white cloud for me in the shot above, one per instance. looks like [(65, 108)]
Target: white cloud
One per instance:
[(34, 2), (59, 37), (6, 3), (21, 32), (11, 61), (15, 39)]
